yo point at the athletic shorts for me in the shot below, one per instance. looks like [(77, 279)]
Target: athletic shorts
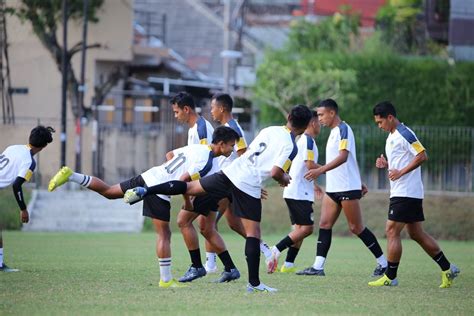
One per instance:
[(406, 210), (338, 197), (218, 186), (153, 205), (301, 212), (203, 204)]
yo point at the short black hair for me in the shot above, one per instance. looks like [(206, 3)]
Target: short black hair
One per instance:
[(300, 115), (224, 134), (225, 100), (384, 109), (41, 136), (182, 99), (314, 114), (329, 103)]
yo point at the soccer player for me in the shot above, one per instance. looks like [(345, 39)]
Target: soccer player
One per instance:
[(200, 132), (188, 163), (405, 155), (221, 111), (299, 197), (343, 190), (268, 156), (17, 165)]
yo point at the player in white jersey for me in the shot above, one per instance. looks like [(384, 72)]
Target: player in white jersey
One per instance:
[(200, 132), (188, 163), (268, 156), (405, 155), (221, 111), (17, 164), (299, 196), (343, 190)]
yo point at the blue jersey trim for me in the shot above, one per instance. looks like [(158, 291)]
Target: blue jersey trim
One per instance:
[(406, 133), (208, 165), (295, 148), (233, 124), (202, 129), (343, 130), (309, 142)]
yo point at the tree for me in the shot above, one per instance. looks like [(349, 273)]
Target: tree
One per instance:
[(292, 76), (45, 16)]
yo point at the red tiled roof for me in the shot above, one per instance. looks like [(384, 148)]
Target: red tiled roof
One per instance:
[(366, 8)]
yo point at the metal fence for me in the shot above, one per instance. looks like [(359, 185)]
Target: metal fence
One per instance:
[(450, 151)]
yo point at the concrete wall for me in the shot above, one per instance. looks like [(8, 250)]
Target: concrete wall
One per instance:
[(32, 66)]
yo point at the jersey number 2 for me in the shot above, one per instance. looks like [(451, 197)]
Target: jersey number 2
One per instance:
[(261, 149)]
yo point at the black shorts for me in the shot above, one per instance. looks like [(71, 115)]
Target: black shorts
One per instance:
[(218, 186), (203, 204), (406, 210), (338, 197), (153, 205), (301, 212)]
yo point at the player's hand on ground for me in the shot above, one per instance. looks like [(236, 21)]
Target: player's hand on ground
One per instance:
[(319, 192), (263, 194), (24, 216), (381, 162), (312, 174), (394, 174), (365, 190)]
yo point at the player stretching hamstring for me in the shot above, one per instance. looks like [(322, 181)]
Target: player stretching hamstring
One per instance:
[(268, 156), (188, 163)]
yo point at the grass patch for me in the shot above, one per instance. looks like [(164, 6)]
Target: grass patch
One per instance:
[(118, 273)]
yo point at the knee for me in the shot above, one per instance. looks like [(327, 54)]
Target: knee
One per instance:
[(182, 223), (207, 231), (307, 230), (415, 235), (356, 229), (165, 235), (391, 232)]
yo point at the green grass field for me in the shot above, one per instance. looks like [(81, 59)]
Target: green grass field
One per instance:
[(119, 274)]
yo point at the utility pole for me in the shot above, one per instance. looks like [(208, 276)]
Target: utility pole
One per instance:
[(64, 85), (225, 59), (82, 90)]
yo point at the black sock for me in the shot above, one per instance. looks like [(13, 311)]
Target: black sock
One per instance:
[(368, 238), (324, 242), (226, 261), (196, 258), (442, 261), (291, 255), (252, 255), (284, 243), (168, 188), (391, 271)]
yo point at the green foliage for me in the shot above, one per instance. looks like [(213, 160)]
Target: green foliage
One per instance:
[(9, 211)]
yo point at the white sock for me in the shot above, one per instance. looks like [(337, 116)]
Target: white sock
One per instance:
[(81, 179), (382, 261), (1, 257), (319, 263), (265, 249), (165, 269), (276, 251), (211, 260), (289, 264)]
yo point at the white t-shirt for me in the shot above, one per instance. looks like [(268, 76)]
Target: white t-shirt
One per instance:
[(194, 159), (401, 147), (346, 177), (16, 161), (240, 144), (273, 146), (201, 132), (300, 188)]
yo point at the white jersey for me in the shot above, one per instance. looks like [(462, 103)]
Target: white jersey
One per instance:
[(194, 159), (401, 147), (273, 146), (16, 161), (201, 132), (239, 145), (300, 188), (346, 177)]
